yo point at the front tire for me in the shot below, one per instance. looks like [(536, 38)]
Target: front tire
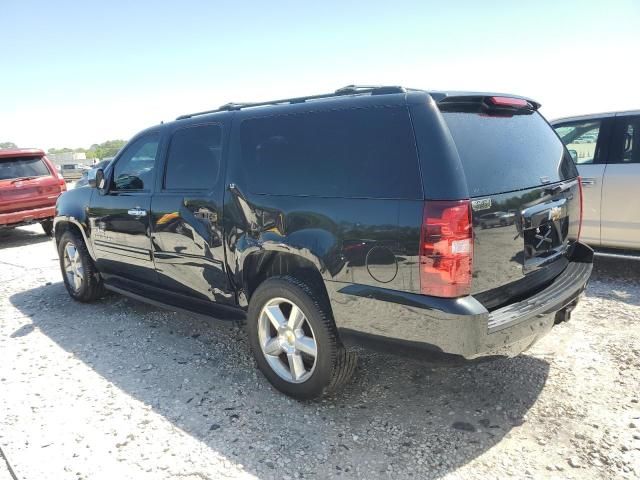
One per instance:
[(295, 341), (78, 271)]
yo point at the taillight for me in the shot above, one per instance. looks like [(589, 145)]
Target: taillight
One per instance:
[(63, 184), (446, 248), (581, 207)]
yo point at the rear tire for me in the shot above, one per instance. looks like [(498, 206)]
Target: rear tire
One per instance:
[(303, 356), (47, 226), (79, 274)]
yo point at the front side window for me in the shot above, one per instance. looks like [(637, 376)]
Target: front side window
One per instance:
[(628, 141), (193, 161), (581, 139), (11, 168), (362, 153), (134, 169)]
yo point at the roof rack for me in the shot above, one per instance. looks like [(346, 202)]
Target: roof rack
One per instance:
[(348, 90)]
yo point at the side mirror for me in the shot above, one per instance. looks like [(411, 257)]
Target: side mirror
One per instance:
[(95, 178), (574, 155)]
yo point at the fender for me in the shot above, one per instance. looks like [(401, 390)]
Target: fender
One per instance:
[(71, 207)]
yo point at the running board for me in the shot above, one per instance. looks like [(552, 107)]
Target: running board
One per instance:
[(216, 312)]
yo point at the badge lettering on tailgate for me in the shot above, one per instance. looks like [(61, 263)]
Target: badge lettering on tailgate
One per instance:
[(482, 204)]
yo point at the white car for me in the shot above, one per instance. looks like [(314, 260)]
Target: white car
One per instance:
[(606, 150)]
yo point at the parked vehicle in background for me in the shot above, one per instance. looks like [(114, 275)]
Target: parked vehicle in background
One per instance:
[(341, 217), (83, 182), (606, 149), (29, 188), (73, 171)]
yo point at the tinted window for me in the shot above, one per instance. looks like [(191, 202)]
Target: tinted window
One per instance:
[(581, 139), (507, 153), (194, 156), (628, 141), (341, 153), (22, 167), (134, 169)]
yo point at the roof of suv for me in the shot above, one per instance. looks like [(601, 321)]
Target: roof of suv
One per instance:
[(595, 116), (21, 152), (388, 94)]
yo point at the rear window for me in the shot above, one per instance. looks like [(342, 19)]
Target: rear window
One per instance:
[(365, 153), (11, 168), (507, 153), (193, 161)]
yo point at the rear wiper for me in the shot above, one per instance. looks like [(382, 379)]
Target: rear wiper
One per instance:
[(21, 179)]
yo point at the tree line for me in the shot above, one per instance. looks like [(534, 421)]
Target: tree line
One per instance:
[(98, 150)]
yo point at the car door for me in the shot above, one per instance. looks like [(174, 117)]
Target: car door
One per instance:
[(620, 205), (586, 141), (186, 213), (119, 213)]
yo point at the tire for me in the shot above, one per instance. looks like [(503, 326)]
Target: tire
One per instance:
[(87, 286), (332, 365), (47, 226), (483, 226)]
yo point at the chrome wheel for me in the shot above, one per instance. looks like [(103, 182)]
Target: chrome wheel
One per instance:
[(73, 267), (287, 340)]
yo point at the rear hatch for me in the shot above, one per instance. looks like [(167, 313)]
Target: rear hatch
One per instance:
[(26, 182), (525, 197)]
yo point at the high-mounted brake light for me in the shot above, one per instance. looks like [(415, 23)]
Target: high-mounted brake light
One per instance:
[(509, 102), (446, 248)]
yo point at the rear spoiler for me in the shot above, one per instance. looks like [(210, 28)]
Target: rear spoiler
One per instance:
[(486, 103)]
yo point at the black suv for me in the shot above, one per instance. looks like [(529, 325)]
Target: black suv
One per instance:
[(345, 216)]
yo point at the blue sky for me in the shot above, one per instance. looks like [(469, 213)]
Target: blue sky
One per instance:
[(81, 72)]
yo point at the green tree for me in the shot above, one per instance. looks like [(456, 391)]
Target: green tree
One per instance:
[(110, 148), (8, 145), (60, 150)]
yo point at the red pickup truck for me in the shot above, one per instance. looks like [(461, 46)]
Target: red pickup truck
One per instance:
[(29, 188)]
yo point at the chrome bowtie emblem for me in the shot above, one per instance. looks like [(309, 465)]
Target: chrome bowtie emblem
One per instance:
[(555, 213), (543, 237)]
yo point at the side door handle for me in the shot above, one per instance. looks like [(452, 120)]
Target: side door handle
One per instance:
[(588, 182), (137, 212)]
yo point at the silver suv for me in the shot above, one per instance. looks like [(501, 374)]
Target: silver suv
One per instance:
[(606, 150)]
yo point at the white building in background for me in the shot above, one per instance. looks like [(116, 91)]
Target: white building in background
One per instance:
[(67, 158)]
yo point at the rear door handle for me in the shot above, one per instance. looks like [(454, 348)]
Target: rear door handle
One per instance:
[(137, 212), (588, 182)]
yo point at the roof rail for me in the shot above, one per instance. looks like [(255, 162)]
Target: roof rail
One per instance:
[(374, 89), (348, 90)]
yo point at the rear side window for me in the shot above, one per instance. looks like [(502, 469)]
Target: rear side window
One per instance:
[(507, 153), (365, 153), (627, 143), (11, 168), (193, 161), (581, 139)]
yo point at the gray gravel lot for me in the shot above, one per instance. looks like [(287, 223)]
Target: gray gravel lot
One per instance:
[(122, 390)]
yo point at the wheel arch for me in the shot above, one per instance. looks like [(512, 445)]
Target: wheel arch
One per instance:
[(64, 223), (261, 265)]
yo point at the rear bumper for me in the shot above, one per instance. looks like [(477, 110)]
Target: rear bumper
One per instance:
[(25, 217), (462, 327)]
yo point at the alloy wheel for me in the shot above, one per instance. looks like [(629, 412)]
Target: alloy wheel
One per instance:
[(73, 267), (287, 340)]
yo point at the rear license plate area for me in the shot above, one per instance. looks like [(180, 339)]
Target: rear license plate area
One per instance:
[(545, 239)]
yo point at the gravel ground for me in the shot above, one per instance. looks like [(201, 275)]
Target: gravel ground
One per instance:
[(122, 390)]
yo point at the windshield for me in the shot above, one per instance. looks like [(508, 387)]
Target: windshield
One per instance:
[(11, 168)]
